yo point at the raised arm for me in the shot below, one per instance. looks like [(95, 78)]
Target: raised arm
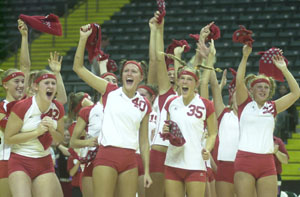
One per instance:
[(25, 62), (91, 79), (162, 73), (217, 93), (152, 76), (241, 89), (286, 101), (55, 65)]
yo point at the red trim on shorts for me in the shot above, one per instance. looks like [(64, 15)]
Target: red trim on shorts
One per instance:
[(33, 167), (121, 159), (3, 169), (157, 161), (258, 165), (183, 175), (225, 172)]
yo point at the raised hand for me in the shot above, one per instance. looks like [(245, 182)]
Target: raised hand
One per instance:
[(247, 50), (55, 62), (205, 31), (153, 23), (156, 16), (278, 60), (179, 50), (224, 79), (22, 27), (85, 31)]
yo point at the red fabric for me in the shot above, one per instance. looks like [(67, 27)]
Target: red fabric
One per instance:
[(9, 106), (76, 178), (161, 7), (48, 24), (210, 174), (281, 149), (11, 76), (111, 66), (71, 128), (225, 172), (195, 36), (88, 170), (94, 42), (172, 46), (231, 87), (184, 175), (266, 65), (214, 33), (139, 161), (90, 156), (46, 138), (209, 105), (243, 36), (174, 135), (3, 169), (157, 161)]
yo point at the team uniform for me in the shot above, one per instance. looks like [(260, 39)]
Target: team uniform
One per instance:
[(93, 116), (185, 163), (33, 157), (121, 124), (256, 146), (157, 158), (228, 145), (4, 148)]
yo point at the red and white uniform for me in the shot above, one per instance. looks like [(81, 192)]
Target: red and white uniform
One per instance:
[(29, 112), (191, 121), (122, 118), (93, 116), (256, 127), (228, 135), (161, 101), (4, 148)]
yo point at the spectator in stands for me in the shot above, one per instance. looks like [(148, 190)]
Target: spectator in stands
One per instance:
[(286, 121), (281, 156), (254, 163), (31, 126), (118, 147)]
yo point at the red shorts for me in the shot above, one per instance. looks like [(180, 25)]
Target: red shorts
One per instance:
[(210, 174), (157, 161), (183, 175), (121, 159), (225, 171), (140, 164), (33, 167), (88, 170), (3, 169), (258, 165)]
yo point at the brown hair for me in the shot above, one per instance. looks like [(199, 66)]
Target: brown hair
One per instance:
[(38, 73), (142, 63), (74, 99)]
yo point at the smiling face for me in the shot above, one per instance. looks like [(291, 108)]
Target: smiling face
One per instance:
[(260, 92), (131, 77), (187, 85), (46, 89), (111, 79), (15, 87)]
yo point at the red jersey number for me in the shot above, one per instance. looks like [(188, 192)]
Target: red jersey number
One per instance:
[(139, 104), (53, 113), (195, 111)]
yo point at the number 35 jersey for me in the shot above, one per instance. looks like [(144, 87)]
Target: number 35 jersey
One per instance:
[(191, 120)]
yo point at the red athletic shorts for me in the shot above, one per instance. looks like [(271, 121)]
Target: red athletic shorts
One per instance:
[(210, 174), (3, 169), (183, 175), (157, 161), (225, 171), (140, 164), (121, 159), (33, 167), (88, 169), (258, 165)]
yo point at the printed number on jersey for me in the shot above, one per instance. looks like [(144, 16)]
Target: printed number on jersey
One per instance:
[(195, 111), (139, 104)]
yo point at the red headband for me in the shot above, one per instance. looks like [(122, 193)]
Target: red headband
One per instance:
[(135, 63), (109, 74), (259, 81), (185, 72), (79, 106), (148, 89), (171, 68), (11, 76), (45, 76)]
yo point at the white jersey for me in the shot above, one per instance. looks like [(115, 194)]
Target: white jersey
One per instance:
[(228, 135), (4, 148), (191, 121), (93, 116), (256, 127), (28, 111), (161, 101), (122, 118)]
